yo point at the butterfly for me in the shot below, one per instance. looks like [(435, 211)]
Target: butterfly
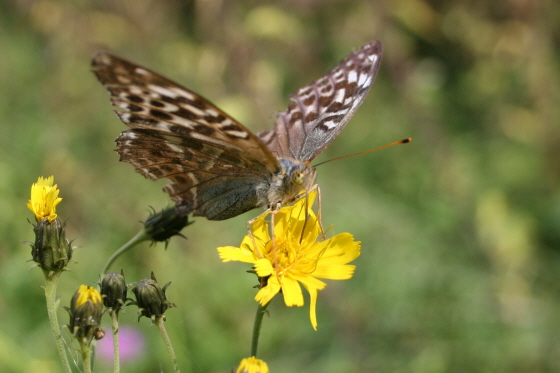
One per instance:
[(218, 168)]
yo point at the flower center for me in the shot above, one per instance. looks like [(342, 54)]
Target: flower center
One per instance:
[(282, 254)]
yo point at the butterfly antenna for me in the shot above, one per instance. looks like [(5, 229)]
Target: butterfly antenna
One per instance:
[(409, 139)]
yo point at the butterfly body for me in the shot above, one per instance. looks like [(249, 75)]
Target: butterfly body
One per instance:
[(219, 169)]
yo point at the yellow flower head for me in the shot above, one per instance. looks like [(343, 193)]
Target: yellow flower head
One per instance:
[(295, 255), (252, 365), (44, 198)]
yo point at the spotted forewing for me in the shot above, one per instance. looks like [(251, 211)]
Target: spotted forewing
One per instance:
[(320, 110)]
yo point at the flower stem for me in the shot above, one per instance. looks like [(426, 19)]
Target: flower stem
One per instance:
[(50, 294), (261, 310), (116, 356), (86, 357), (161, 327), (140, 236)]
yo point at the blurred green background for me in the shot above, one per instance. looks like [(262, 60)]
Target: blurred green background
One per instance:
[(460, 229)]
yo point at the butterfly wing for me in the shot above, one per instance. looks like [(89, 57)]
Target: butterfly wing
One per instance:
[(320, 110), (214, 163)]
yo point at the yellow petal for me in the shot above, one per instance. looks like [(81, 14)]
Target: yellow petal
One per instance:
[(260, 229), (85, 293), (248, 245), (335, 272), (292, 292), (263, 267), (229, 253), (339, 249), (266, 294), (311, 282), (313, 307)]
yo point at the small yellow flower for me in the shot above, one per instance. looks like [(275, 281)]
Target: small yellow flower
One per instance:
[(252, 365), (295, 255), (44, 198)]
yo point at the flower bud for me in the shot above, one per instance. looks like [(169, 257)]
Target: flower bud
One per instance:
[(51, 250), (85, 314), (151, 299), (113, 291), (163, 225), (252, 365)]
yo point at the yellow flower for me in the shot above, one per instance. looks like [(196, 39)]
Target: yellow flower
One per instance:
[(44, 198), (295, 255), (252, 365)]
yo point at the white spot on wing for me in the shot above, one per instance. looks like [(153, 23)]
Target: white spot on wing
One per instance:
[(169, 107), (124, 116), (330, 124), (174, 148), (193, 109), (339, 97), (182, 92), (225, 123), (180, 121), (372, 57), (121, 104), (363, 79), (123, 79), (208, 139), (238, 134), (212, 112), (135, 90), (141, 71), (162, 91), (194, 181)]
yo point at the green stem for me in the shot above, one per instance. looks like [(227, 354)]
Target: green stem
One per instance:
[(140, 236), (86, 357), (261, 310), (161, 327), (50, 294), (116, 356)]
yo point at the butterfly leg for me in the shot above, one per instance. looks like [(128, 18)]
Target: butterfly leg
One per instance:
[(249, 224), (274, 251), (320, 210), (250, 232), (272, 210), (319, 207)]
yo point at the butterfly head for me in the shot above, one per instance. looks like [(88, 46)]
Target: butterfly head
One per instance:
[(296, 177), (304, 176)]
